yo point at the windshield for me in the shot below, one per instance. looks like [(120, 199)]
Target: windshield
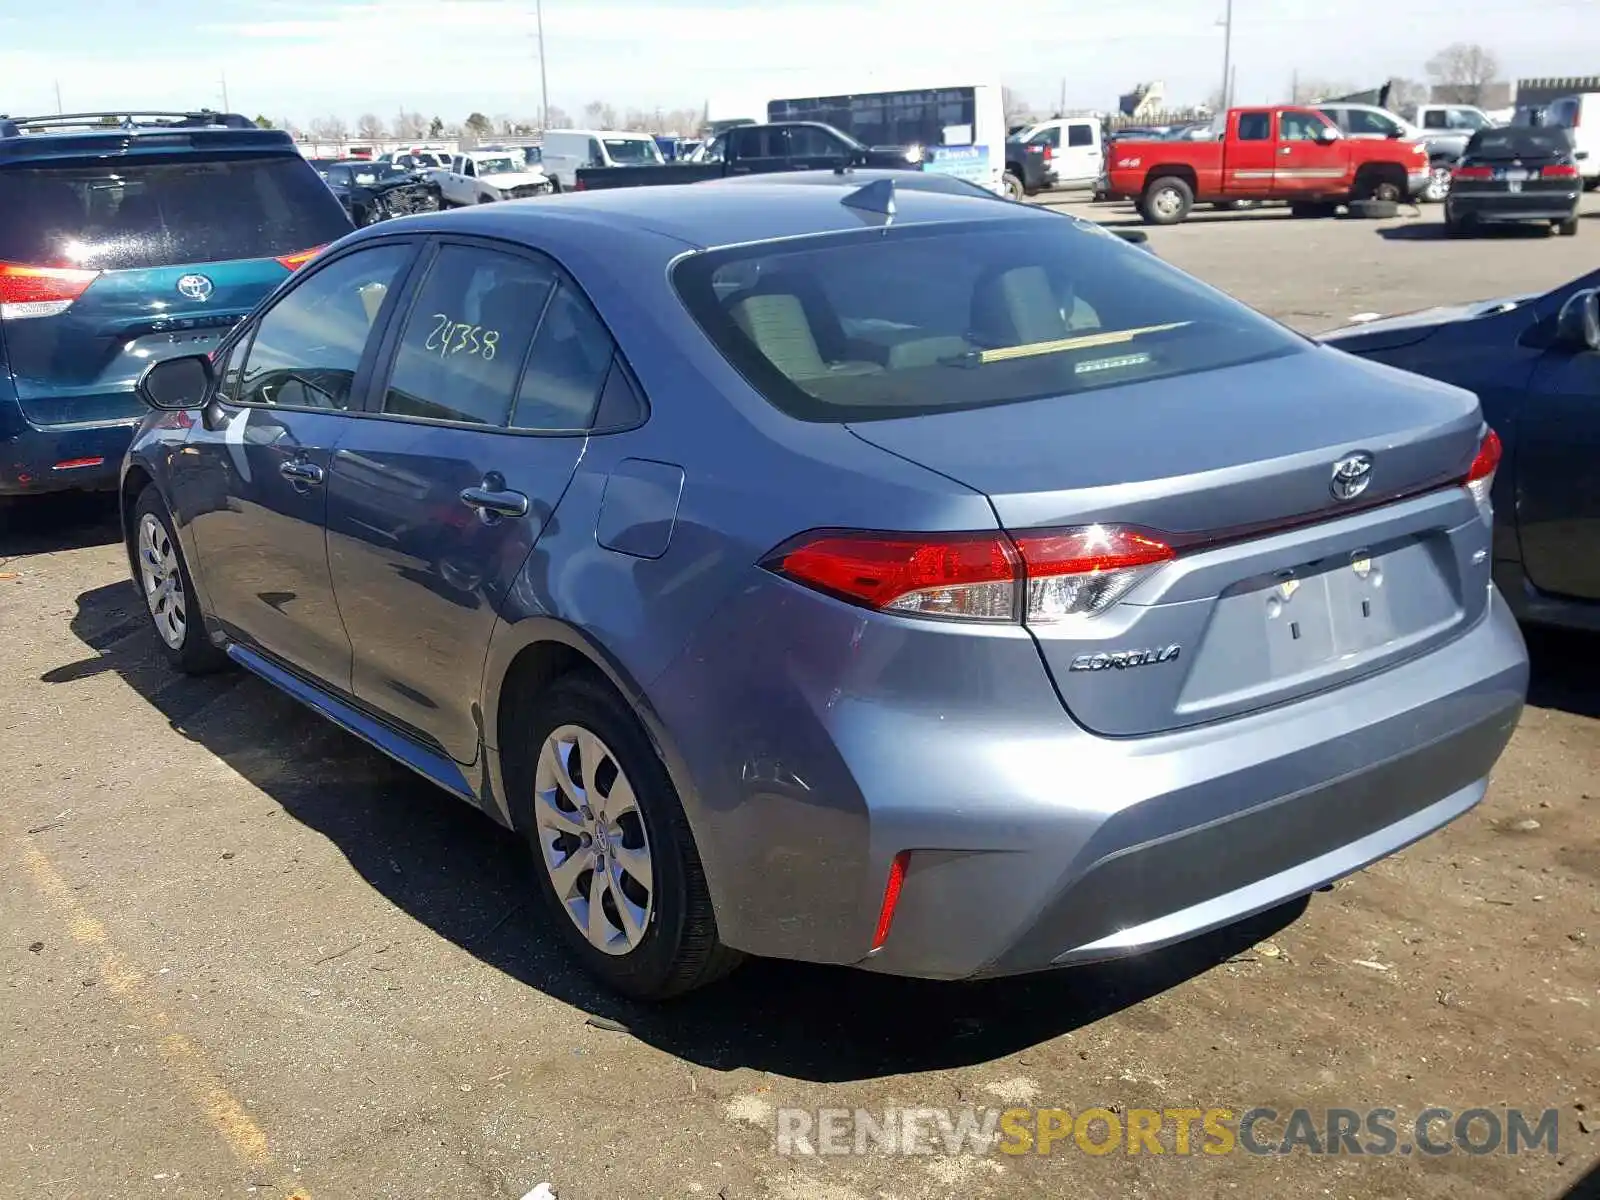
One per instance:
[(900, 322), (157, 212), (633, 150), (502, 164)]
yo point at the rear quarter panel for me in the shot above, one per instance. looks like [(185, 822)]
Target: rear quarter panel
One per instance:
[(1133, 164)]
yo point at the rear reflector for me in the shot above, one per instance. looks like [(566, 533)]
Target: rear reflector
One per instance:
[(1037, 576), (27, 292), (891, 898), (299, 259), (1480, 476), (1559, 171)]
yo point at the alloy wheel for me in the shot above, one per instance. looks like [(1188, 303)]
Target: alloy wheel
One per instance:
[(1438, 184), (592, 840), (162, 581)]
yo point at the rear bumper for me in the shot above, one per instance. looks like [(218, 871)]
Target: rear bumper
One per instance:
[(58, 458), (1035, 845), (1491, 207)]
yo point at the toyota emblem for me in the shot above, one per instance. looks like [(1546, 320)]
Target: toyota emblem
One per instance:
[(195, 287), (1351, 476)]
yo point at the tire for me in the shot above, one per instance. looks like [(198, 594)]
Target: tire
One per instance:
[(1438, 185), (1388, 190), (1167, 200), (485, 199), (1568, 228), (1014, 187), (675, 948), (158, 558), (1589, 185), (1455, 228)]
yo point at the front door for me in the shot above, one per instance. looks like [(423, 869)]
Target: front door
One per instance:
[(753, 149), (1558, 488), (1307, 168), (252, 479), (437, 498), (810, 147), (1249, 153)]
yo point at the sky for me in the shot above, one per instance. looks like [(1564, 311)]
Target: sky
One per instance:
[(288, 58)]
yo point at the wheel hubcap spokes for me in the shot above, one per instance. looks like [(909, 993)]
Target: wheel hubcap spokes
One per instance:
[(592, 840), (162, 581)]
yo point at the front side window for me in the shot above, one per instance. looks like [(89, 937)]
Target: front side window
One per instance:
[(1047, 137), (808, 141), (309, 344), (903, 322), (463, 342), (1359, 120), (1299, 127), (1466, 118)]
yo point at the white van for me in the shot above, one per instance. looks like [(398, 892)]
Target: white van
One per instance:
[(565, 150), (1580, 116)]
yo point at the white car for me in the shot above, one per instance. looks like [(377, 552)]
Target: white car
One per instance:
[(482, 177), (566, 150)]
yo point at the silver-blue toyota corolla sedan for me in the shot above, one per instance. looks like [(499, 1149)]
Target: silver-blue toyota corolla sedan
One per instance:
[(900, 580)]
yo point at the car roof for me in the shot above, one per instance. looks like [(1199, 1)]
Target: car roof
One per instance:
[(705, 216), (605, 133)]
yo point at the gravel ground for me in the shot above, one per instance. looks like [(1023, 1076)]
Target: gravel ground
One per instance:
[(245, 956)]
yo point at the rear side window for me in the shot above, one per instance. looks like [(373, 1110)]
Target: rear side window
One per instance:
[(464, 340), (1255, 127), (1080, 135), (126, 213), (900, 322)]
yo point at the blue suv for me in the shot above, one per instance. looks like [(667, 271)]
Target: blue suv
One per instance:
[(129, 238)]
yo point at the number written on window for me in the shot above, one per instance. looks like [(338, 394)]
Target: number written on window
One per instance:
[(450, 336)]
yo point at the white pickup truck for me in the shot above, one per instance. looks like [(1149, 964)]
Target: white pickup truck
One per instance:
[(484, 176)]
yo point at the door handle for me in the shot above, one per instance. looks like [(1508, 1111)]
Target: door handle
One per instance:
[(493, 500), (301, 471), (1287, 150)]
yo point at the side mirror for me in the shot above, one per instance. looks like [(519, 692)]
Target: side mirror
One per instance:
[(1326, 135), (175, 384), (1578, 326)]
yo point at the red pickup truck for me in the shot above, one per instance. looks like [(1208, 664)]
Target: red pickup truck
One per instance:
[(1293, 154)]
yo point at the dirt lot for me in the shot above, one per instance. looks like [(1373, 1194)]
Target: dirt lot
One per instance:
[(245, 956)]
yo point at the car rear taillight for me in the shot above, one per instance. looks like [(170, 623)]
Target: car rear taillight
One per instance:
[(1559, 171), (1049, 153), (1038, 576), (1480, 476), (40, 291), (1472, 173), (299, 258)]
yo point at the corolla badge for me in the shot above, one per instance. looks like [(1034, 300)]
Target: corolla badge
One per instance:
[(195, 287), (1121, 660), (1351, 476)]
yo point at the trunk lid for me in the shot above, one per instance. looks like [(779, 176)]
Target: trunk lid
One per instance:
[(1279, 589)]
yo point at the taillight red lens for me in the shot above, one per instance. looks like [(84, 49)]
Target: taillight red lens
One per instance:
[(300, 258), (40, 291), (1480, 476), (1559, 171), (1040, 576), (1472, 173)]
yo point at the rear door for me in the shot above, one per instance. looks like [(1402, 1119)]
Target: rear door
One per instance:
[(252, 480), (1307, 168), (1078, 158), (1557, 486), (107, 265), (810, 147), (437, 497), (1249, 154), (753, 149)]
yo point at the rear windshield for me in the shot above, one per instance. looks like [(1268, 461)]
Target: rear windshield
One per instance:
[(1519, 142), (122, 214), (877, 324)]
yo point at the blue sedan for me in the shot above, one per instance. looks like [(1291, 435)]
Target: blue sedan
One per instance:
[(860, 575)]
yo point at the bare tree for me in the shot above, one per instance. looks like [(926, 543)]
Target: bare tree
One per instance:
[(478, 125), (557, 118), (600, 115), (1016, 108), (330, 129), (409, 124), (436, 127), (1406, 93), (370, 126), (1466, 68)]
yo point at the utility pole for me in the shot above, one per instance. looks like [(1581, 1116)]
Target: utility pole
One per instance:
[(59, 109), (544, 83), (1227, 57), (225, 107), (1061, 111), (1294, 86)]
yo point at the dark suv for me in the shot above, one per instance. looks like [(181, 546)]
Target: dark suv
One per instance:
[(128, 238)]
